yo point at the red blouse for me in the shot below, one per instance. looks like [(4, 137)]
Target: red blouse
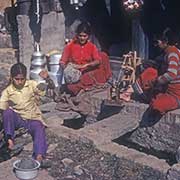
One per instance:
[(79, 54)]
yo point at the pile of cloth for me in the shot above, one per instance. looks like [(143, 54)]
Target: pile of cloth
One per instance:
[(84, 103)]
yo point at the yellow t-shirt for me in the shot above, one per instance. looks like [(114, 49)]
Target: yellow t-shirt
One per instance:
[(23, 101)]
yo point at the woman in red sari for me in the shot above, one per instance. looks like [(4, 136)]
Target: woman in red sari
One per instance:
[(94, 65)]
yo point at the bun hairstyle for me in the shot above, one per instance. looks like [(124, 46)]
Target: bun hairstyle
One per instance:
[(84, 27), (18, 68), (167, 33), (169, 36)]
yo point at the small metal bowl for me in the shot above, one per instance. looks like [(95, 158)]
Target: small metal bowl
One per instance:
[(26, 174)]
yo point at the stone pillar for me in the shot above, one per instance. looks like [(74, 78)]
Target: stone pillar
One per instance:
[(25, 41), (140, 42), (52, 32)]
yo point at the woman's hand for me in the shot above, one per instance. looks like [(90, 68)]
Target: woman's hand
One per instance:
[(44, 74), (79, 66), (87, 65)]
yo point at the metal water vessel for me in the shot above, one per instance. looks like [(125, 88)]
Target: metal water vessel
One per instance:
[(54, 69), (38, 63)]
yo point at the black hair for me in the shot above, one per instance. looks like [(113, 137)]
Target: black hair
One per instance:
[(18, 68), (168, 35), (84, 27)]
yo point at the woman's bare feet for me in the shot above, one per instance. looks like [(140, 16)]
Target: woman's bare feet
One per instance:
[(45, 163), (39, 157), (10, 144), (126, 95)]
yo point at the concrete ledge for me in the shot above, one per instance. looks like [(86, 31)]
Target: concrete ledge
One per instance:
[(110, 128), (174, 172)]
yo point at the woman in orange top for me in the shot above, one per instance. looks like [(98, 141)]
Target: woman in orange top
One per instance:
[(162, 87)]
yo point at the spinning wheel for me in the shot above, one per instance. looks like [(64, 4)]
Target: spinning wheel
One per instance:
[(126, 76)]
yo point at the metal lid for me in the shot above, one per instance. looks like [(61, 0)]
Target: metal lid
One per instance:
[(54, 58)]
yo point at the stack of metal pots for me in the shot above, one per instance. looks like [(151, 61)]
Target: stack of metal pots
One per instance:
[(54, 68), (38, 63)]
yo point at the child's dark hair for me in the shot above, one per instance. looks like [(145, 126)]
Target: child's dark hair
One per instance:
[(84, 27), (18, 68)]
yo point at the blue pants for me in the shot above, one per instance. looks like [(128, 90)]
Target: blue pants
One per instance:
[(12, 121)]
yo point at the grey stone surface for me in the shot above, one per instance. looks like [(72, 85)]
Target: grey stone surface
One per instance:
[(163, 136), (53, 120), (49, 108), (52, 32), (174, 172), (78, 170), (110, 128), (27, 163), (127, 164), (67, 162), (25, 40), (5, 40)]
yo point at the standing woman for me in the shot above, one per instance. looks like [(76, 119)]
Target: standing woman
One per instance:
[(19, 109), (82, 55)]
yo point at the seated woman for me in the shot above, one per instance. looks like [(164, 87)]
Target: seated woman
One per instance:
[(19, 108), (160, 88), (82, 55)]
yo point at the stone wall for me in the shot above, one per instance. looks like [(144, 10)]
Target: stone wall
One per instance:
[(51, 32)]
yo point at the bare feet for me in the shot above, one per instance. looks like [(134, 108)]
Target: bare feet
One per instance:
[(126, 95), (44, 74), (39, 157), (45, 163), (10, 144)]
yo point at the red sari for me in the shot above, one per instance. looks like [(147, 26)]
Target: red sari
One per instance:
[(83, 54)]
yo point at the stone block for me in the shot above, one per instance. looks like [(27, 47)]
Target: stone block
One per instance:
[(163, 136), (174, 172)]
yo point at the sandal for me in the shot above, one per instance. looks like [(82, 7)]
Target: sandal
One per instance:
[(45, 164)]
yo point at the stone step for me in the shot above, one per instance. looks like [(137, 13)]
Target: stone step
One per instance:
[(111, 128), (163, 135)]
